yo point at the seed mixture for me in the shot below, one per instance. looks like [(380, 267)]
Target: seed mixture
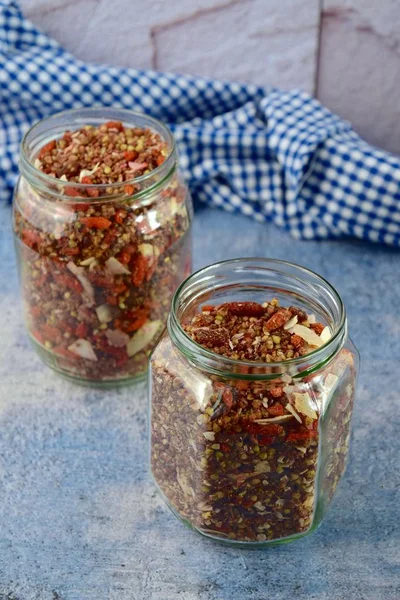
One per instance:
[(246, 460), (98, 276), (107, 154)]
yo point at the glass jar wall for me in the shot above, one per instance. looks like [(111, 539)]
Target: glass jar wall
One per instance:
[(99, 262), (251, 452)]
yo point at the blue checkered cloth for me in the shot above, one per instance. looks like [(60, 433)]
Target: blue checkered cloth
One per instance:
[(272, 155)]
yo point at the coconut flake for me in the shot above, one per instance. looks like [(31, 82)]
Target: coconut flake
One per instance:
[(136, 166), (79, 273), (262, 467), (303, 405), (330, 381), (290, 323), (311, 319), (290, 408), (278, 419), (117, 338), (308, 335), (63, 177), (37, 164), (104, 313), (326, 334), (143, 337), (87, 262), (87, 172), (209, 435), (84, 349), (115, 267)]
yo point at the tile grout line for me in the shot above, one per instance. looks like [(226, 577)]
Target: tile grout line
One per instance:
[(318, 50)]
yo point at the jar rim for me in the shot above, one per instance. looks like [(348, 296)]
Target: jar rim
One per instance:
[(199, 354), (98, 115)]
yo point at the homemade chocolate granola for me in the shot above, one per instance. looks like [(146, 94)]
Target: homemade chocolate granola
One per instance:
[(99, 267), (242, 459)]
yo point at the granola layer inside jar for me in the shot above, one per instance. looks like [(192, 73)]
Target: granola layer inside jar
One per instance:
[(249, 460), (98, 263)]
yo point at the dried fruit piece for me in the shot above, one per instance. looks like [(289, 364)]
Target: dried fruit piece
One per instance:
[(96, 222), (317, 327), (211, 337), (278, 319), (244, 309)]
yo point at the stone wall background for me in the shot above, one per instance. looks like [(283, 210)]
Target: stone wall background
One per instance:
[(346, 52)]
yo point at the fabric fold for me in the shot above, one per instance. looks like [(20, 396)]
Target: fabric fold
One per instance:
[(273, 155)]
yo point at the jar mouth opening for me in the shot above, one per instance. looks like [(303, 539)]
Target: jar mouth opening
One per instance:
[(96, 116), (314, 359)]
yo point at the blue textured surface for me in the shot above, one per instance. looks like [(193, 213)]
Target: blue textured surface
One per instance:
[(79, 518)]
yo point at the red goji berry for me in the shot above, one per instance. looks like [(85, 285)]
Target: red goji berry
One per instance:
[(71, 251), (120, 216), (128, 189), (125, 255), (72, 192), (135, 320), (50, 333), (139, 271), (130, 155), (82, 330), (265, 439), (77, 206), (31, 238), (276, 392), (114, 125), (296, 436), (38, 336), (68, 281), (113, 300), (93, 192), (272, 429), (96, 222), (276, 410), (49, 147), (62, 351), (227, 398)]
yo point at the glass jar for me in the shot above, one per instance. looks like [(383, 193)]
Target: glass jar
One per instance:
[(226, 473), (99, 263)]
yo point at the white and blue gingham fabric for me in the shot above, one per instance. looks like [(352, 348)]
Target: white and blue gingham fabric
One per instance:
[(269, 154)]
